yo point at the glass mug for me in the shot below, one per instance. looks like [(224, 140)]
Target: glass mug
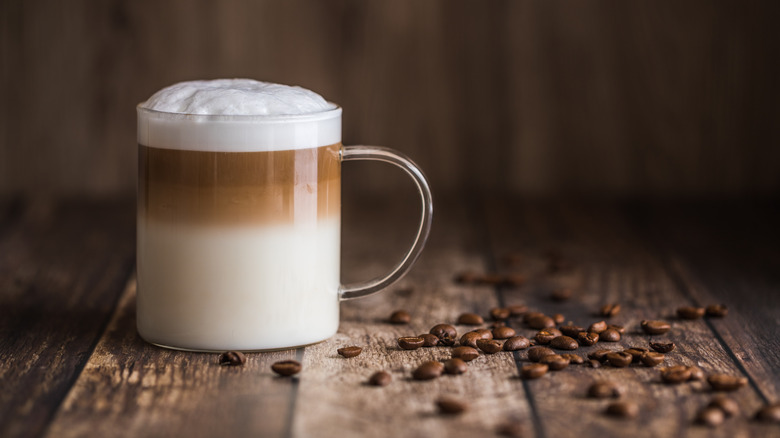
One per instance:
[(238, 229)]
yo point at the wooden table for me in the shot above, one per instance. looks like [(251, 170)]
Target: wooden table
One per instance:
[(71, 363)]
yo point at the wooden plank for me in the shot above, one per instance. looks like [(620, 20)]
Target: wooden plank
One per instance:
[(62, 269)]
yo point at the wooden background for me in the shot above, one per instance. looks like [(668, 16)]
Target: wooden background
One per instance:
[(541, 98)]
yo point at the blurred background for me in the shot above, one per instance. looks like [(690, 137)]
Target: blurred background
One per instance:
[(609, 99)]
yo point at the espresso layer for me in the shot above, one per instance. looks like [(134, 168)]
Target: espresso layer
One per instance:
[(229, 188)]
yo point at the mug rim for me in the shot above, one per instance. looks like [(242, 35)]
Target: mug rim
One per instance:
[(253, 118)]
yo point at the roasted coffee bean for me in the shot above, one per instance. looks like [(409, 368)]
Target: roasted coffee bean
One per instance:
[(555, 362), (609, 335), (587, 338), (499, 313), (696, 373), (400, 317), (232, 358), (690, 312), (712, 417), (558, 318), (489, 346), (564, 343), (491, 279), (349, 351), (561, 295), (623, 409), (539, 321), (470, 319), (609, 310), (599, 355), (530, 315), (496, 324), (286, 368), (503, 332), (446, 334), (571, 330), (451, 406), (516, 343), (533, 371), (636, 353), (429, 340), (536, 353), (594, 363), (619, 328), (726, 404), (652, 358), (662, 347), (455, 366), (465, 353), (619, 359), (574, 358), (410, 342), (484, 333), (675, 374), (380, 378), (597, 327), (510, 429), (544, 336), (769, 413), (655, 327), (469, 339), (724, 382), (603, 389), (717, 310), (428, 370), (467, 278), (517, 309)]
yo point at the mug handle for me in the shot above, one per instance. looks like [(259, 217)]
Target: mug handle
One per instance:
[(354, 153)]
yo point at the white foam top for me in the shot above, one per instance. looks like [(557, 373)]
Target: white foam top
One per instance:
[(237, 115)]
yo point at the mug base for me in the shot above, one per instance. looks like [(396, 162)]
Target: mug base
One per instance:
[(252, 350)]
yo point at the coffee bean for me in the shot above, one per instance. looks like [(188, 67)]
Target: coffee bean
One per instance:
[(500, 313), (619, 328), (516, 343), (510, 429), (469, 339), (717, 310), (609, 310), (609, 335), (451, 406), (544, 336), (599, 355), (597, 327), (484, 333), (587, 338), (619, 359), (465, 353), (349, 351), (380, 378), (655, 327), (466, 278), (710, 416), (400, 317), (724, 382), (690, 312), (536, 353), (446, 334), (574, 358), (651, 358), (623, 409), (470, 319), (491, 279), (232, 358), (286, 367), (410, 342), (769, 413), (603, 389), (636, 353), (696, 373), (533, 371), (726, 404), (428, 370), (503, 332), (675, 374), (455, 366), (496, 324), (560, 295), (539, 321), (571, 330), (564, 343), (489, 346), (429, 340), (555, 362), (662, 347), (558, 318), (530, 315), (517, 309), (594, 363)]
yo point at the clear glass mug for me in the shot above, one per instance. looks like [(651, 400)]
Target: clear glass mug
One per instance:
[(238, 230)]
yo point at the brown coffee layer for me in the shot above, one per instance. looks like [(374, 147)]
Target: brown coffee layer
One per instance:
[(231, 188)]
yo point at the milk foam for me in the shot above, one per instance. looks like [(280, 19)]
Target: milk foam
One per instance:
[(237, 115)]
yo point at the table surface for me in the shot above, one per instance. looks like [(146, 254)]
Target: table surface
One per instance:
[(71, 363)]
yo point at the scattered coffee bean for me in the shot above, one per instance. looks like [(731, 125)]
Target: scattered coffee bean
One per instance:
[(467, 278), (465, 353), (655, 327), (564, 343), (574, 358), (455, 366), (286, 368), (603, 389), (587, 338), (636, 353), (484, 333), (717, 310), (769, 413), (571, 330), (489, 346), (495, 324), (410, 342), (597, 327), (470, 339), (232, 358), (491, 279), (712, 417), (400, 317), (510, 429), (544, 336), (726, 404), (428, 370), (558, 318), (599, 355), (517, 309), (380, 378), (470, 319), (609, 335), (349, 351), (724, 382), (516, 343), (609, 310), (690, 312), (446, 334), (533, 371), (503, 332), (662, 347), (652, 358), (619, 328), (429, 340), (499, 313), (538, 320), (619, 359), (676, 374), (623, 409), (555, 362), (537, 353), (451, 406), (561, 295), (594, 363), (696, 373)]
